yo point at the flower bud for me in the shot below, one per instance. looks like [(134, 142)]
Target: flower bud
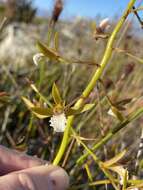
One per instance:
[(37, 57), (104, 24)]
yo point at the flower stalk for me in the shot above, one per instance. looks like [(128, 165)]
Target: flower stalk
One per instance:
[(106, 57)]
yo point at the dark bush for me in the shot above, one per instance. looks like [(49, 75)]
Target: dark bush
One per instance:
[(20, 10)]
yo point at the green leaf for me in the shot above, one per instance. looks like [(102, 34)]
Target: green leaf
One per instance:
[(34, 88), (120, 108), (88, 173), (116, 113), (123, 102), (136, 184), (49, 36), (28, 103), (40, 95), (120, 104), (56, 41), (125, 180), (114, 160), (48, 52), (87, 107), (121, 171), (56, 94), (73, 111), (42, 112), (21, 147), (4, 99)]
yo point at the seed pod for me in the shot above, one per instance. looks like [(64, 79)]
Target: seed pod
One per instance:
[(58, 7)]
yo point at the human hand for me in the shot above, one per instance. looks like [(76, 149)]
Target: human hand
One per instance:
[(22, 172)]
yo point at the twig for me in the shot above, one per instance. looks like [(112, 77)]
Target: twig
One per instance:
[(68, 152), (138, 17), (129, 54)]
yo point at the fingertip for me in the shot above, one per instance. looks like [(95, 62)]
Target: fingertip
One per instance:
[(46, 177), (12, 160), (58, 179)]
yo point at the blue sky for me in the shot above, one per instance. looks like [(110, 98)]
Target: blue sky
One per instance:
[(86, 8)]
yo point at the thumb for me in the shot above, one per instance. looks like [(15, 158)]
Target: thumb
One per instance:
[(41, 177)]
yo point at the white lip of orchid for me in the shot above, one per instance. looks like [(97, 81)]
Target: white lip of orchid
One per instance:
[(58, 122), (37, 57)]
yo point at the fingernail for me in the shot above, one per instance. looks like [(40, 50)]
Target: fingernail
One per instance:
[(58, 180)]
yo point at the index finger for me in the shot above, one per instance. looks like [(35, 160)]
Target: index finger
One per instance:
[(11, 160)]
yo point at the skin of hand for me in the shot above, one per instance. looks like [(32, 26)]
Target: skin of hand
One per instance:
[(21, 172)]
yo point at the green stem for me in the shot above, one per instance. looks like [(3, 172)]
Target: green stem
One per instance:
[(64, 141), (107, 55), (41, 74)]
